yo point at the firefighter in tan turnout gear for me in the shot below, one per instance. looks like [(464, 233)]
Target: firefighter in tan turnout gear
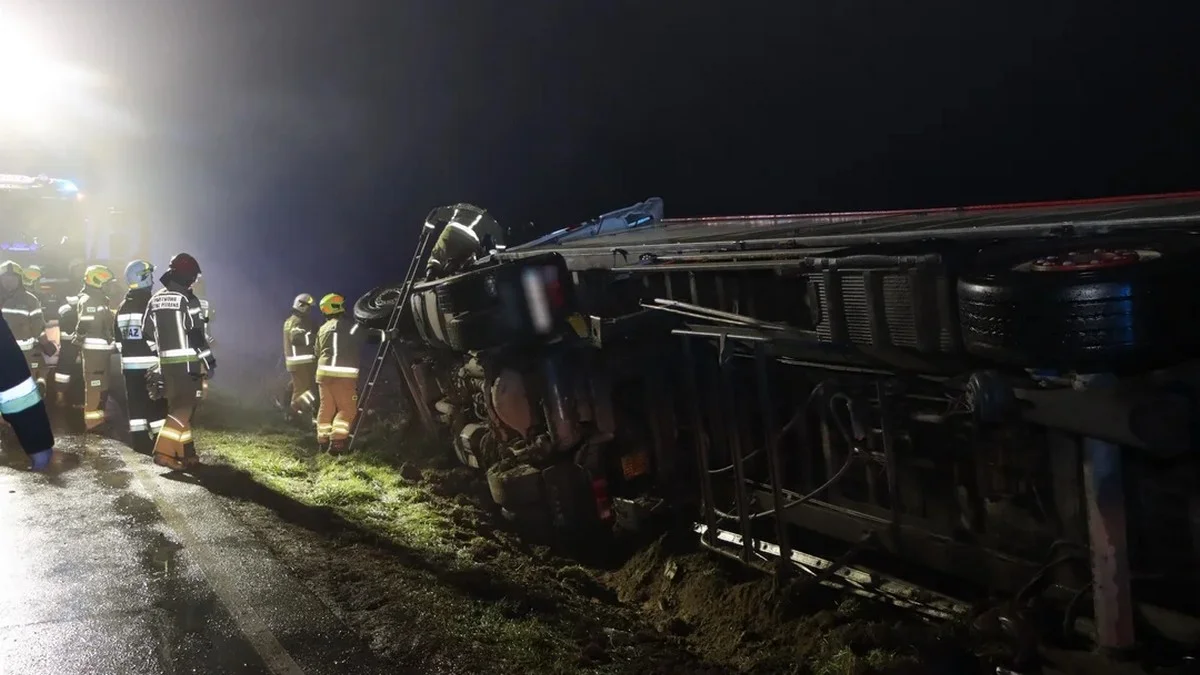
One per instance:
[(96, 336), (172, 325), (339, 350), (300, 357), (470, 233), (23, 312)]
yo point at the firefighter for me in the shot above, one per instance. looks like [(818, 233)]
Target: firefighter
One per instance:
[(470, 233), (206, 313), (33, 281), (299, 356), (339, 350), (146, 416), (68, 379), (196, 298), (21, 404), (170, 325), (96, 335), (23, 311)]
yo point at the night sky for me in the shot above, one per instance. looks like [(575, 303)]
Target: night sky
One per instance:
[(295, 145)]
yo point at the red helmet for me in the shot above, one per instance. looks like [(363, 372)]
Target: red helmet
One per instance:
[(185, 266)]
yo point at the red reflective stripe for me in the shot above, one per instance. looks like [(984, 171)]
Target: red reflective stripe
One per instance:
[(1095, 201)]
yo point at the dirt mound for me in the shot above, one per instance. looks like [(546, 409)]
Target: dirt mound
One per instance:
[(729, 615)]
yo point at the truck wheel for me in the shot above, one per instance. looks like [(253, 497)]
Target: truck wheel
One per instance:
[(375, 306), (1087, 307)]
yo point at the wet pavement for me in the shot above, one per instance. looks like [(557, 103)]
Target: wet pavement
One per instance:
[(110, 565)]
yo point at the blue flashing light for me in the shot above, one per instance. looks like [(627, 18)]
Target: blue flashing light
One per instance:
[(67, 186)]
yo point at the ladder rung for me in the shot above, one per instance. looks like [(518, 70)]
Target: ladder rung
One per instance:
[(385, 345)]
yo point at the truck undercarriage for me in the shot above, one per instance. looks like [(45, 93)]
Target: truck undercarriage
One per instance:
[(1002, 396)]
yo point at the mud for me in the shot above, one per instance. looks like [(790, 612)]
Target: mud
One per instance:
[(658, 607)]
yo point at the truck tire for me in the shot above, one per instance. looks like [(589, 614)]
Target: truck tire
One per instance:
[(516, 487), (375, 306), (1088, 307)]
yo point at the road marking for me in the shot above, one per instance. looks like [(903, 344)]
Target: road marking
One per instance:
[(248, 621)]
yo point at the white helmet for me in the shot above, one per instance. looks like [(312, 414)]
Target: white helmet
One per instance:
[(139, 274), (303, 302)]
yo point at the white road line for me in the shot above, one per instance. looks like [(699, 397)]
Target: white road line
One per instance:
[(248, 621)]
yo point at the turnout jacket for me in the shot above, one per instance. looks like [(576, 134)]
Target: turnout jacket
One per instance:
[(136, 352), (96, 331), (339, 348), (23, 312), (68, 351), (298, 348), (171, 326), (21, 403)]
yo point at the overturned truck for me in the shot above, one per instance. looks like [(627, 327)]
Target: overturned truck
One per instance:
[(1003, 396)]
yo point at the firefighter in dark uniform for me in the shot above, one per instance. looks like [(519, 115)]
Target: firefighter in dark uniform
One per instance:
[(339, 351), (97, 338), (23, 311), (299, 356), (146, 416), (200, 297), (470, 234), (68, 374), (33, 282), (172, 325), (21, 405)]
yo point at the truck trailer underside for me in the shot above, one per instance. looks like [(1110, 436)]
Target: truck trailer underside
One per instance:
[(1002, 396)]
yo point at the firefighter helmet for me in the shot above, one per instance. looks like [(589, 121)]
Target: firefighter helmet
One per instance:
[(11, 267), (33, 274), (333, 304), (97, 275), (185, 268), (139, 274), (303, 302)]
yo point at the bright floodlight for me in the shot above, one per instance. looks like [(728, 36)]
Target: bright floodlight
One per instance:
[(35, 88)]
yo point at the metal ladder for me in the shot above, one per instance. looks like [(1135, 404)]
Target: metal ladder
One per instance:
[(385, 345)]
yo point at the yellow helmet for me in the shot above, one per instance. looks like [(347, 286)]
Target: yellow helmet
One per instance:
[(97, 275), (11, 267), (333, 304), (33, 274)]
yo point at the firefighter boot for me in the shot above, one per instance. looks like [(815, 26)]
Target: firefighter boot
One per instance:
[(339, 446)]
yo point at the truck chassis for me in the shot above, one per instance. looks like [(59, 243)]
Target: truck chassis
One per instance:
[(1004, 396)]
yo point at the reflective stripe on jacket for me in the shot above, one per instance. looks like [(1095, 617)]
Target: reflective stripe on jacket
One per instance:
[(68, 351), (298, 347), (170, 327), (23, 312), (339, 348), (136, 352), (97, 324), (21, 403)]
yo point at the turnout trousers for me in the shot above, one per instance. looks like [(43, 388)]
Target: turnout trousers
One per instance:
[(146, 416), (95, 385), (174, 447), (339, 405), (304, 381)]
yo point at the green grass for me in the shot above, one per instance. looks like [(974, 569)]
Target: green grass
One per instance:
[(367, 488)]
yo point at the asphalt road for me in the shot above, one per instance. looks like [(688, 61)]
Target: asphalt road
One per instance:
[(110, 565)]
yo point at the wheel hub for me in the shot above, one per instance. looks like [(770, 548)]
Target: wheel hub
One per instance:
[(1082, 261)]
